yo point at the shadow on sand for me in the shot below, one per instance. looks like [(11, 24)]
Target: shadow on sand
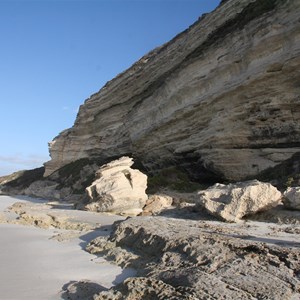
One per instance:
[(79, 290), (100, 231)]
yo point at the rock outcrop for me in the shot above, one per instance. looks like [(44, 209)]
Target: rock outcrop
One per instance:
[(184, 259), (292, 198), (45, 189), (42, 216), (118, 189), (234, 201), (67, 183), (17, 182), (220, 100)]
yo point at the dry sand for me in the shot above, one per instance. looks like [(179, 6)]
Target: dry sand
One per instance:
[(36, 263)]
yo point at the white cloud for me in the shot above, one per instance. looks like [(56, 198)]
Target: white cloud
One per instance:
[(13, 163)]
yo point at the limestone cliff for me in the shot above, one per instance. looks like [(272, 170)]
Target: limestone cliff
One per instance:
[(220, 100)]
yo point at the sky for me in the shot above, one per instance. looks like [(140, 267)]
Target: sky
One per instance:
[(54, 54)]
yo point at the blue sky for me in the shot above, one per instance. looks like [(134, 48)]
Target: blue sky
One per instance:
[(55, 53)]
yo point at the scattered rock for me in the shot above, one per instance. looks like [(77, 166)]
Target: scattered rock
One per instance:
[(40, 215), (182, 199), (292, 198), (156, 203), (118, 189), (234, 201)]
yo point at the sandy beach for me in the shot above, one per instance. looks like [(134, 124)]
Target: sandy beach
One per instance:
[(36, 263)]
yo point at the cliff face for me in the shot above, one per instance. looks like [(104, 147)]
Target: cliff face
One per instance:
[(222, 99)]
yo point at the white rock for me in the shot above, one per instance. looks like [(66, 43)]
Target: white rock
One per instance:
[(292, 197), (118, 189), (156, 203), (224, 106), (234, 201)]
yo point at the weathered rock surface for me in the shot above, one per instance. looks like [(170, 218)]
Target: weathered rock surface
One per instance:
[(184, 259), (292, 198), (40, 215), (156, 203), (220, 100), (278, 214), (234, 201), (142, 288), (118, 189), (44, 189), (81, 290)]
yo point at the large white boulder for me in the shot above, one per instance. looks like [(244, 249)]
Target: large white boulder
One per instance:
[(234, 201), (292, 198), (118, 189)]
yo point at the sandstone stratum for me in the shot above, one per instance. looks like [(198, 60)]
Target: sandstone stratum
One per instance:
[(192, 260), (220, 100), (198, 145)]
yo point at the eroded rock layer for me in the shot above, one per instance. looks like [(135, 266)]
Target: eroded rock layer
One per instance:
[(220, 100), (184, 259)]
